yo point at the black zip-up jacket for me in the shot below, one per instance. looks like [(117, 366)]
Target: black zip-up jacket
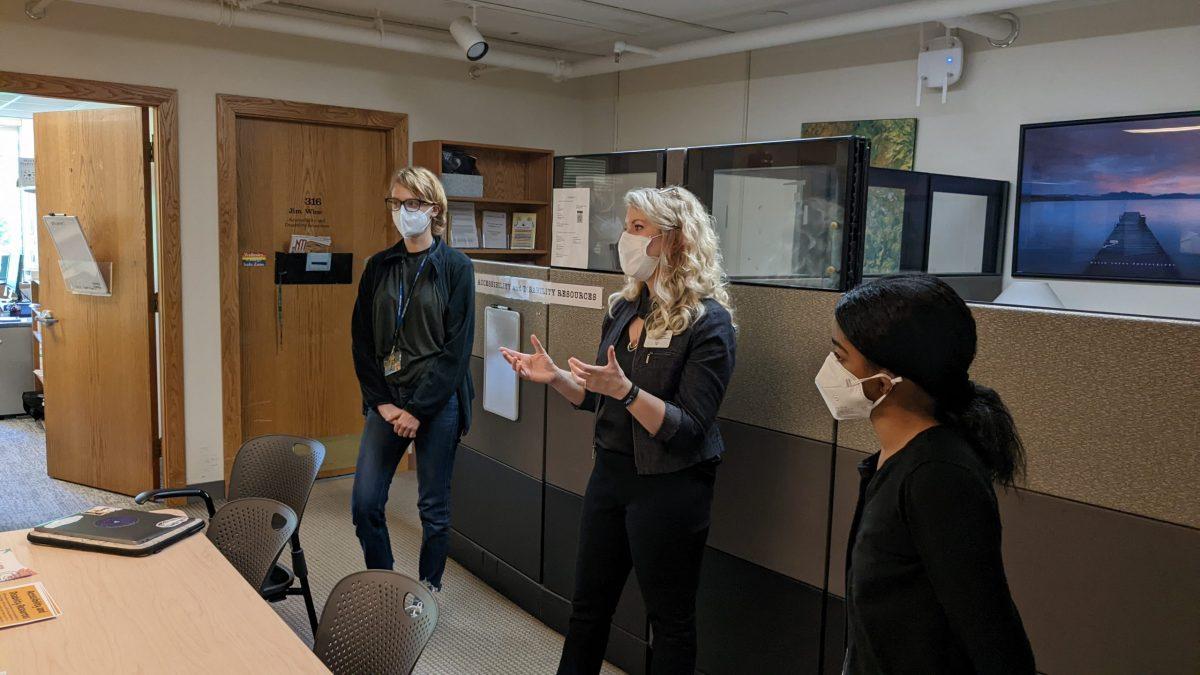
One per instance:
[(690, 376), (925, 585), (445, 295)]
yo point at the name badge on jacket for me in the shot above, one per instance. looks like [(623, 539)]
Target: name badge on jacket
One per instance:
[(661, 342)]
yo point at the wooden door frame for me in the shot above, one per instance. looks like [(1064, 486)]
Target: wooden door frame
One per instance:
[(164, 105), (229, 109)]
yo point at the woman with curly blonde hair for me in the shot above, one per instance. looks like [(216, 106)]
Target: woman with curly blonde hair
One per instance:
[(667, 351)]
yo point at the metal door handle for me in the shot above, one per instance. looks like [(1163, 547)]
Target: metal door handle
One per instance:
[(46, 318)]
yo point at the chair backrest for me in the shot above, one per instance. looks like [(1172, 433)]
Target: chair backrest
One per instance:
[(282, 468), (251, 533), (376, 622)]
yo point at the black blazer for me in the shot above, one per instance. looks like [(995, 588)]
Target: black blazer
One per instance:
[(454, 279), (690, 376)]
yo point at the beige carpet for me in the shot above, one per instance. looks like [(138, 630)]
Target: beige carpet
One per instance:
[(479, 632)]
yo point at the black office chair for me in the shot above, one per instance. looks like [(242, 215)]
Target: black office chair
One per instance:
[(362, 633), (282, 468), (251, 533)]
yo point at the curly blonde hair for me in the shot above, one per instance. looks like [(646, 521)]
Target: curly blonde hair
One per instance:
[(690, 269), (425, 186)]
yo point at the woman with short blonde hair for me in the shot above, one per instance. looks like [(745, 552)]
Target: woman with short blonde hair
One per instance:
[(412, 330), (423, 185), (667, 348)]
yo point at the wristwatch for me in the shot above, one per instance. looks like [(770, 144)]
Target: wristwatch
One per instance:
[(631, 396)]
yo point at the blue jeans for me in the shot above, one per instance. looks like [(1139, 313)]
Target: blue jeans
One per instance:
[(378, 455)]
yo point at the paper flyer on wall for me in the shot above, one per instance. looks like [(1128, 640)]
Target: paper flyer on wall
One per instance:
[(570, 226), (29, 603)]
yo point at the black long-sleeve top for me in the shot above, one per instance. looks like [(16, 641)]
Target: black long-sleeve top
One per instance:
[(925, 583), (436, 336)]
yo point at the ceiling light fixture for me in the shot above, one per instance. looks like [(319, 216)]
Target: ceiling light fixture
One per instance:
[(468, 37)]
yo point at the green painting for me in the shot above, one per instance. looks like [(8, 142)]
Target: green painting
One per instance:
[(885, 225), (893, 142)]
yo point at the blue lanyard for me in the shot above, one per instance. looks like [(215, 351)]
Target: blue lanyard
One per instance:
[(402, 303)]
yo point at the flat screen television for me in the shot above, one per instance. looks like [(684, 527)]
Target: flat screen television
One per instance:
[(1114, 199)]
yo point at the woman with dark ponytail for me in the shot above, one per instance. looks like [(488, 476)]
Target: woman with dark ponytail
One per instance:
[(925, 585)]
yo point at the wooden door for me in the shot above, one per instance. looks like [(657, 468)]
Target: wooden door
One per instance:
[(99, 359), (297, 373)]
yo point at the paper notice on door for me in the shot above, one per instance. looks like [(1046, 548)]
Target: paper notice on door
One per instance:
[(30, 603), (570, 248)]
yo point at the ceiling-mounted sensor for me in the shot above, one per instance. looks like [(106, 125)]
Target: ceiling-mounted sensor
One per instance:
[(939, 65)]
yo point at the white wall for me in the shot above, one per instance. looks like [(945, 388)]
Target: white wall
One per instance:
[(1101, 72), (200, 61)]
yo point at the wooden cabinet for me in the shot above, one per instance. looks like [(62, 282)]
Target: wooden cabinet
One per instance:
[(515, 180)]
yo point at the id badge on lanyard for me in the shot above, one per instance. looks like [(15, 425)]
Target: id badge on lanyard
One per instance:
[(394, 362)]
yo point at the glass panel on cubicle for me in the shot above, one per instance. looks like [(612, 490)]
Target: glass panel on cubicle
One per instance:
[(951, 226), (608, 177), (788, 213)]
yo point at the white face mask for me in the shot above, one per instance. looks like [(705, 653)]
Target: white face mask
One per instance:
[(411, 223), (635, 262), (843, 392)]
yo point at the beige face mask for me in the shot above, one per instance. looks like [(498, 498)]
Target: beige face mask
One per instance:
[(635, 262), (843, 392)]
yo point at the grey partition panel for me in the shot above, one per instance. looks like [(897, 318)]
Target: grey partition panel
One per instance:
[(771, 505), (518, 444), (573, 331), (1100, 591), (845, 497), (499, 509), (783, 336), (533, 314), (752, 620), (568, 444), (1101, 402), (561, 545)]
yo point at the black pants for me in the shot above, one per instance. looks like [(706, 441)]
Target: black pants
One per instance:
[(658, 526)]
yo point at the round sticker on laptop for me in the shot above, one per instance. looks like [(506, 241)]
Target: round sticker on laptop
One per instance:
[(117, 521), (171, 522)]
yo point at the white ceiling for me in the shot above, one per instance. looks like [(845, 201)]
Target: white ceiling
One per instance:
[(24, 106), (589, 27)]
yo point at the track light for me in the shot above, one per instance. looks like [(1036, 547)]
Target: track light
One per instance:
[(468, 37)]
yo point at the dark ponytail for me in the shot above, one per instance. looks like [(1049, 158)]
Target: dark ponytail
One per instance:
[(916, 326)]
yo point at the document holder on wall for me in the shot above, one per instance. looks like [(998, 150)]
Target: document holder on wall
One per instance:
[(314, 268), (81, 273), (501, 388)]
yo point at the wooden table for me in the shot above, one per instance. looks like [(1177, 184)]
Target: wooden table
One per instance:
[(184, 609)]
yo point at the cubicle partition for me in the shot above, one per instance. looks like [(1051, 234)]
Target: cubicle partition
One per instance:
[(1102, 542)]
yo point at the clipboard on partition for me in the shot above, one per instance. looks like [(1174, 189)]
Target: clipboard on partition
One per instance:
[(81, 273), (501, 387)]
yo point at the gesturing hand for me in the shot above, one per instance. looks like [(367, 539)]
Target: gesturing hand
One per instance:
[(405, 425), (606, 380), (536, 367)]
